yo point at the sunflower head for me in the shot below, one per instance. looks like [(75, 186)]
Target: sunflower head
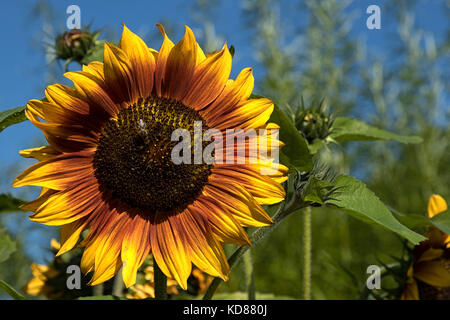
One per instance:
[(125, 162), (428, 277)]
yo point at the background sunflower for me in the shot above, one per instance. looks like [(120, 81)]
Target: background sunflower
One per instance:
[(392, 78)]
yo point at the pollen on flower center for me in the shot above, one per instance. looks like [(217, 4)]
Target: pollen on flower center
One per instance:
[(133, 158)]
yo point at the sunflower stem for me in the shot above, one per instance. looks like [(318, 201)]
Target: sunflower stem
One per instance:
[(118, 284), (283, 211), (249, 275), (160, 282), (97, 290), (307, 244)]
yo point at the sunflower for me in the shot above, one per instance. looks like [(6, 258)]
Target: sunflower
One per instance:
[(429, 275), (108, 168), (50, 280)]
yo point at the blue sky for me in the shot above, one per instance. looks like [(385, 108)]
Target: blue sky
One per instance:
[(23, 64)]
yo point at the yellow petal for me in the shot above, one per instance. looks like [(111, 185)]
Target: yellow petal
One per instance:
[(169, 251), (70, 233), (252, 113), (95, 68), (58, 173), (161, 60), (223, 224), (209, 79), (107, 257), (233, 93), (207, 253), (180, 67), (142, 61), (94, 89), (65, 207), (118, 75), (41, 153), (67, 98), (433, 273), (431, 254), (135, 248), (264, 189), (239, 203), (436, 205)]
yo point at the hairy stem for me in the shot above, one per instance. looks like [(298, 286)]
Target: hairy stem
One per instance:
[(307, 244), (249, 275)]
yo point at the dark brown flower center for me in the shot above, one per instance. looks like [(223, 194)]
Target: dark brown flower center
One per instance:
[(133, 160)]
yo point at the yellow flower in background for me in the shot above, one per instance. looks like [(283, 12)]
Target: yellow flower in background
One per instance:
[(198, 283), (107, 166), (147, 289), (429, 274), (38, 285)]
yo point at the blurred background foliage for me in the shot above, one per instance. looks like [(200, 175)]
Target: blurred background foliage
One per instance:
[(315, 55)]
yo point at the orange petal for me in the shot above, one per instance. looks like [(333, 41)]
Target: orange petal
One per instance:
[(41, 153), (43, 197), (161, 61), (239, 202), (430, 254), (252, 113), (209, 79), (233, 93), (95, 68), (180, 67), (107, 257), (94, 89), (264, 189), (169, 251), (224, 225), (59, 173), (61, 121), (67, 98), (135, 248), (70, 233), (118, 75), (70, 205), (142, 61), (207, 253)]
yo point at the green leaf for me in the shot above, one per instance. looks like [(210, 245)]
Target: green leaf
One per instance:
[(7, 246), (354, 198), (296, 150), (11, 291), (347, 129), (9, 203), (413, 221), (12, 116), (442, 221), (316, 190)]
